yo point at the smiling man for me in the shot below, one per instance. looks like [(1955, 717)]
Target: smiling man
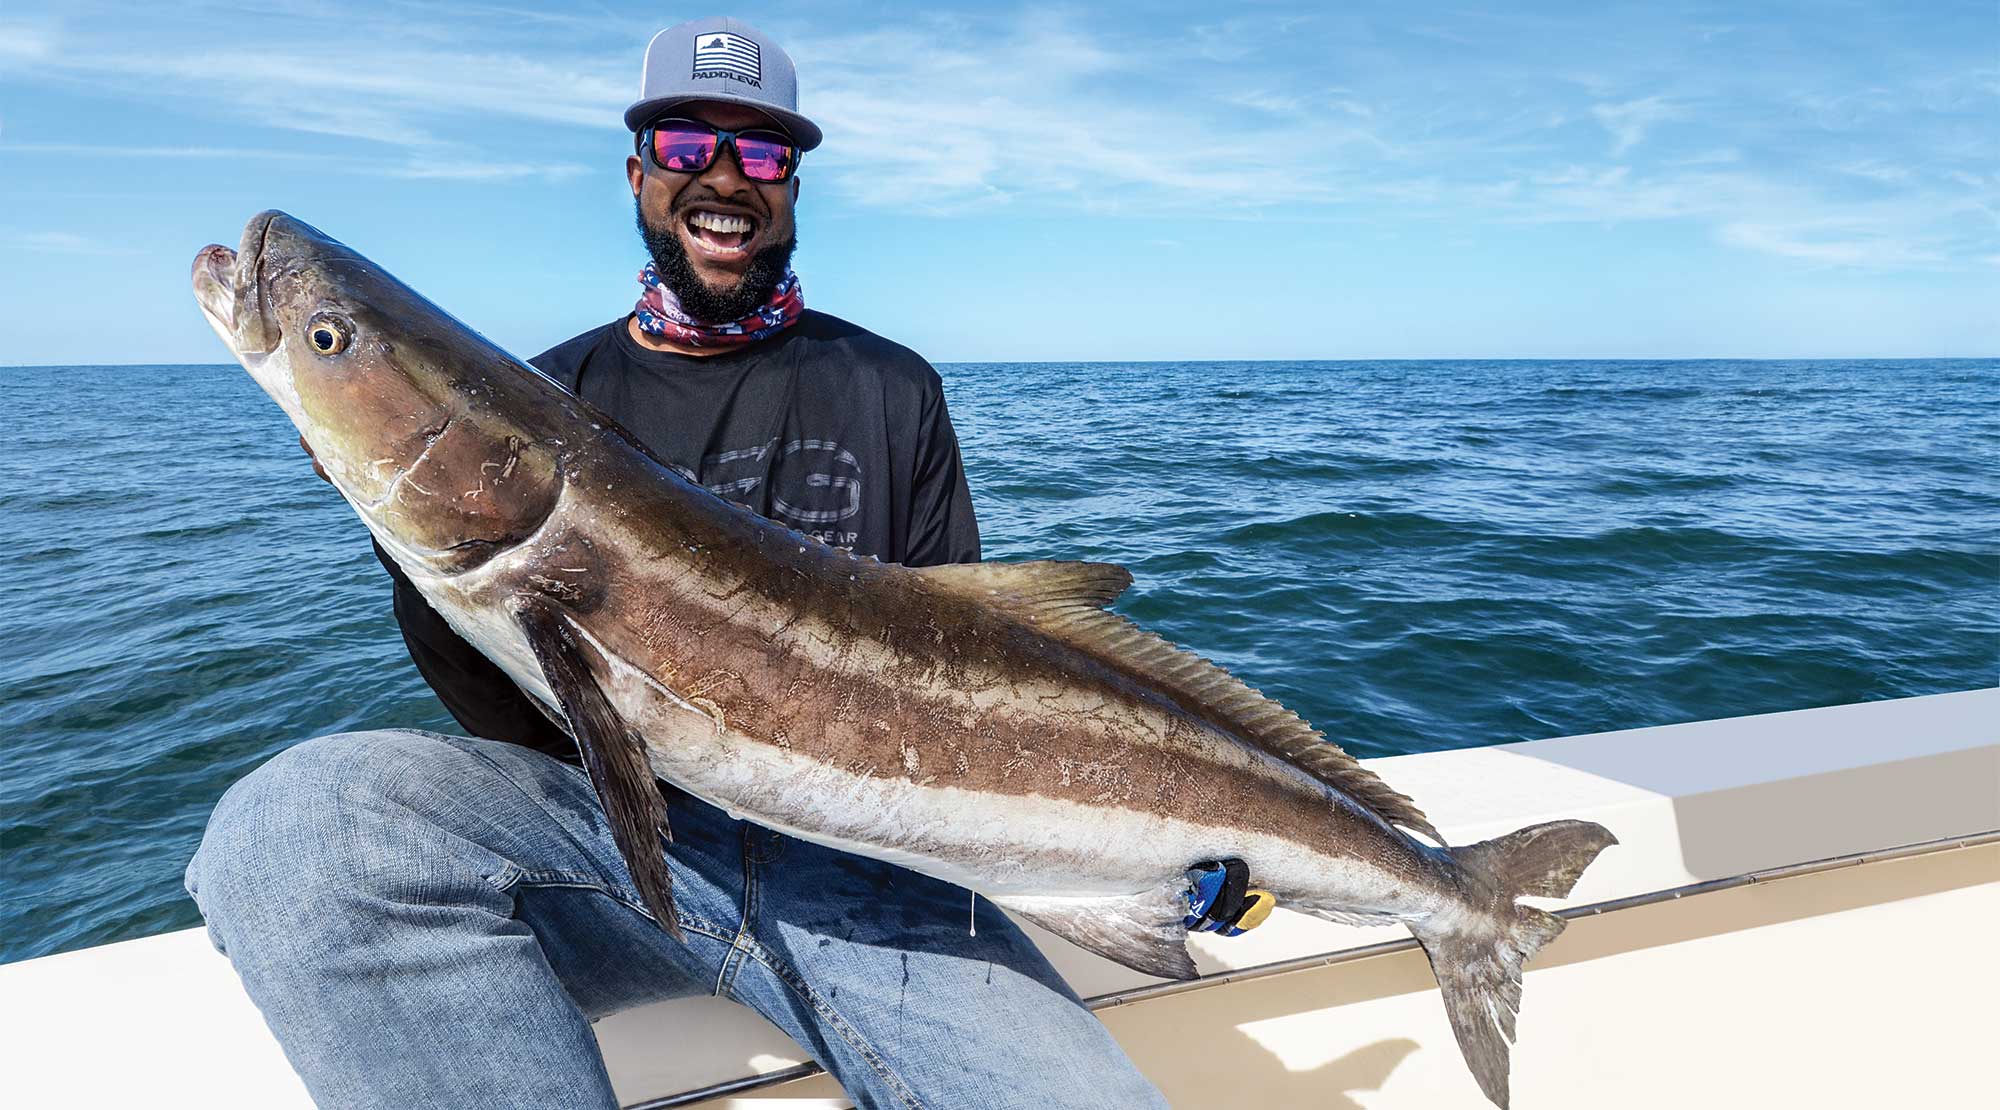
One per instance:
[(434, 921)]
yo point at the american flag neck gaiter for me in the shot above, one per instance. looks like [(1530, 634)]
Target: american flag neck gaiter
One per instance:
[(659, 313)]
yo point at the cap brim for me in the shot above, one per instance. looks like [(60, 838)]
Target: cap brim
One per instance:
[(802, 130)]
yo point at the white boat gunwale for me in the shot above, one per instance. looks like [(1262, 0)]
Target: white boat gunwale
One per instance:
[(1775, 821)]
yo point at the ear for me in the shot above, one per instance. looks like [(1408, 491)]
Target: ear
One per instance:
[(635, 172), (795, 188)]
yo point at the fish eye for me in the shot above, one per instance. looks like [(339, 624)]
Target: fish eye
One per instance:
[(327, 334)]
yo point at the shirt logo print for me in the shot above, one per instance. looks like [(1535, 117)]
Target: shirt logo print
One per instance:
[(823, 478)]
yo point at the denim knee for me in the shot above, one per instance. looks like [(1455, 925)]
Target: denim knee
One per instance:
[(296, 833)]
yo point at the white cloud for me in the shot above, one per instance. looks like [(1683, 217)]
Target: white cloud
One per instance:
[(396, 97), (1875, 170), (54, 242), (1574, 175), (1052, 110), (1801, 242), (20, 42), (490, 171), (460, 167), (1038, 110), (1719, 156), (1627, 122), (104, 150), (331, 70)]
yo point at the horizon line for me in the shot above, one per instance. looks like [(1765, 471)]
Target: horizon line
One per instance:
[(1195, 361)]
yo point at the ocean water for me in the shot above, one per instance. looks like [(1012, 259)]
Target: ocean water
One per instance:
[(1413, 555)]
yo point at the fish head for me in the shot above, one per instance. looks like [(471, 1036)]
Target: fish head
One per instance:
[(440, 440)]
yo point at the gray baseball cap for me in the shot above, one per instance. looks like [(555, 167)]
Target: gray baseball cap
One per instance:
[(720, 59)]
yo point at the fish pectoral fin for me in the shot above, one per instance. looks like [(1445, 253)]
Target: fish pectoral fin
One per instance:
[(1145, 932), (613, 754)]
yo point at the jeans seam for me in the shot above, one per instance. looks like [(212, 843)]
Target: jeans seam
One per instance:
[(725, 976), (574, 880), (790, 977)]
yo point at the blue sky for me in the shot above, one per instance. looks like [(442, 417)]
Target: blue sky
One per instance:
[(1151, 181)]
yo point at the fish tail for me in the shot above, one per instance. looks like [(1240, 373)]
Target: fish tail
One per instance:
[(1478, 955)]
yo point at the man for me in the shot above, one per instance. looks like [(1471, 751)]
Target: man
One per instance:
[(431, 920)]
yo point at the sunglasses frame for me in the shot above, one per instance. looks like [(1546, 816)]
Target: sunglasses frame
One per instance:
[(723, 137)]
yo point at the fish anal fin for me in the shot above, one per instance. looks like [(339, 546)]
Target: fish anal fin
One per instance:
[(1142, 931), (613, 755), (1046, 586)]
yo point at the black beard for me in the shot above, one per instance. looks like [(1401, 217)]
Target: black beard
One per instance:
[(697, 299)]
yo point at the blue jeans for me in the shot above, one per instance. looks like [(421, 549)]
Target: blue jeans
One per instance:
[(433, 921)]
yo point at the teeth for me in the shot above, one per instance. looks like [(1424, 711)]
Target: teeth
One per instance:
[(716, 221)]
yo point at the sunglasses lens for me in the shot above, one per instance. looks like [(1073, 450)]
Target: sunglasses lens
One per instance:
[(765, 157), (683, 148)]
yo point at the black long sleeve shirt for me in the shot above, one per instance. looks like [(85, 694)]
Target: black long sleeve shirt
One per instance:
[(825, 427)]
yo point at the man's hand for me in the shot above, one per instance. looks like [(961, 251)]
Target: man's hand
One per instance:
[(317, 468), (1221, 899)]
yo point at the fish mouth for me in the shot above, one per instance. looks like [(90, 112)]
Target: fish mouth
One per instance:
[(229, 288)]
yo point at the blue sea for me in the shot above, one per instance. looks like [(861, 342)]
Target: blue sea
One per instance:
[(1414, 555)]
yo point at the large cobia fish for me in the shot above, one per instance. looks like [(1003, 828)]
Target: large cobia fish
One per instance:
[(989, 724)]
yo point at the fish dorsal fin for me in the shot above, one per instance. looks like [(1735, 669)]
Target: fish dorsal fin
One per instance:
[(1044, 586), (1213, 694), (1067, 601)]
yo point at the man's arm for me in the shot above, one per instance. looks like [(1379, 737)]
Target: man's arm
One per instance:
[(942, 526)]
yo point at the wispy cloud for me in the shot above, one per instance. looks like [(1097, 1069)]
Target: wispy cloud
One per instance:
[(1835, 246), (148, 153), (1043, 109), (21, 42), (54, 242), (414, 166), (1503, 117), (396, 97), (343, 71), (490, 171), (1876, 170), (1471, 166), (1627, 122)]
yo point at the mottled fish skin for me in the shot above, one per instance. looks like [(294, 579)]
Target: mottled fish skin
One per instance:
[(826, 694), (863, 705), (839, 699)]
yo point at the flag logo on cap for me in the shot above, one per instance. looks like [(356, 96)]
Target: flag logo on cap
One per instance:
[(721, 54)]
